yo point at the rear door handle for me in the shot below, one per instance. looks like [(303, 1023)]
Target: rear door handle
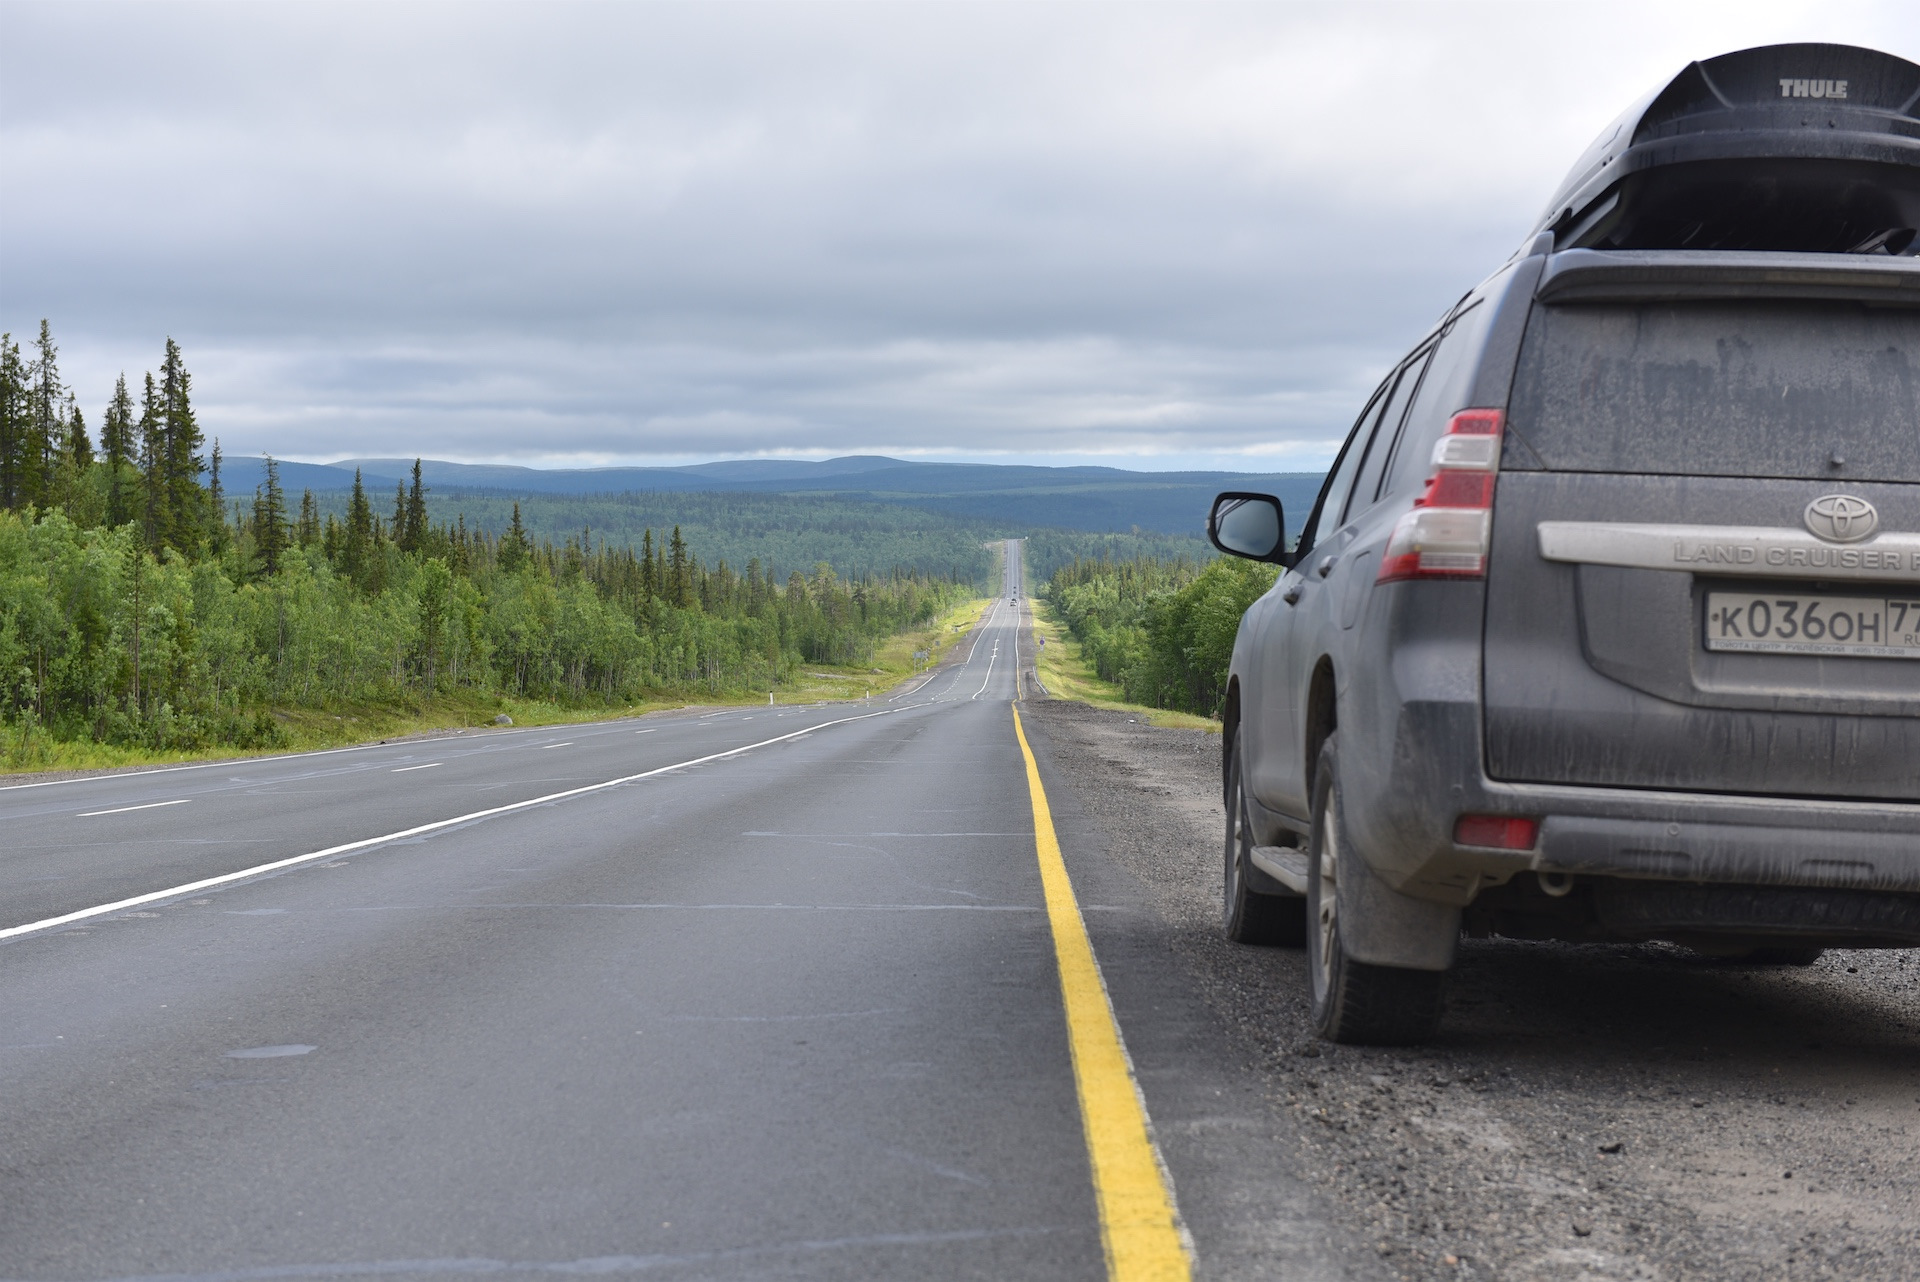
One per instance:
[(1325, 567), (1292, 595)]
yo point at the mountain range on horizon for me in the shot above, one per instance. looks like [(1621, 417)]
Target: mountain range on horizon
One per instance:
[(1083, 497)]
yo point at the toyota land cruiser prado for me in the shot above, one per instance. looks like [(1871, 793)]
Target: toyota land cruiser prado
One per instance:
[(1606, 623)]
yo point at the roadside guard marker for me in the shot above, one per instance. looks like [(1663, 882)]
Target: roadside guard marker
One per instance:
[(1139, 1224)]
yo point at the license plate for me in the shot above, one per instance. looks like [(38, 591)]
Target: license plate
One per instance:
[(1798, 623)]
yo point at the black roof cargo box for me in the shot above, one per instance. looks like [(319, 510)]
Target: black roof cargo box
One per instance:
[(1802, 147)]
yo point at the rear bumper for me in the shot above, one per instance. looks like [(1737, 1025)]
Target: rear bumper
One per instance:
[(1789, 852), (1413, 759), (1419, 785)]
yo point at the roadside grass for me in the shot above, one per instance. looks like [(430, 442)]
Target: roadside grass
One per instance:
[(892, 664), (1066, 674), (895, 658), (307, 729), (28, 751)]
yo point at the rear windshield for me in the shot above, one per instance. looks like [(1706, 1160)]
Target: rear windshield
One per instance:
[(1720, 389)]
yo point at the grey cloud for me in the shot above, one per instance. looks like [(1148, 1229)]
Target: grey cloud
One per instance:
[(615, 232)]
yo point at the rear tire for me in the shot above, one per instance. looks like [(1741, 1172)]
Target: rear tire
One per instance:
[(1354, 1002), (1250, 916)]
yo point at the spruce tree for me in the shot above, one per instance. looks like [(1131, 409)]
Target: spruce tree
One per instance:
[(309, 528), (79, 446), (153, 474), (270, 522), (416, 514), (649, 581), (754, 591), (118, 447), (13, 425), (515, 547), (399, 526), (359, 541), (679, 578), (68, 488), (216, 503), (46, 419), (184, 500)]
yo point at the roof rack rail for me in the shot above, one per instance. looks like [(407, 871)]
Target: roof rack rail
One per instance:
[(1811, 148)]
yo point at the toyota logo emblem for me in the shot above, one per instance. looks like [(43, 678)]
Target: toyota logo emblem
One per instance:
[(1842, 518)]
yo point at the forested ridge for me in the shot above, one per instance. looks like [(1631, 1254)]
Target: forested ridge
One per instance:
[(785, 532), (855, 535), (140, 605)]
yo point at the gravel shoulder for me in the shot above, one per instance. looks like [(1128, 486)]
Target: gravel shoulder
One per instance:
[(1590, 1112)]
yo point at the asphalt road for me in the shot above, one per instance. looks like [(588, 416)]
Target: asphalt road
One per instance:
[(791, 1010)]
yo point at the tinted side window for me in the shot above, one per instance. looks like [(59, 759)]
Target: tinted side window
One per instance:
[(1333, 495), (1367, 488), (1443, 392)]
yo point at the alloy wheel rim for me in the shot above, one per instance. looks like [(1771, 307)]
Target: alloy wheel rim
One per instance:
[(1235, 816), (1328, 899)]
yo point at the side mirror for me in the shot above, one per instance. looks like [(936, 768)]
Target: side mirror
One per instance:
[(1250, 526)]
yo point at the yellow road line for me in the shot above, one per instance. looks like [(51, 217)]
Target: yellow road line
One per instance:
[(1139, 1225)]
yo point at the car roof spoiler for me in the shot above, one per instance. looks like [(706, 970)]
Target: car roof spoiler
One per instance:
[(1589, 276), (1808, 147)]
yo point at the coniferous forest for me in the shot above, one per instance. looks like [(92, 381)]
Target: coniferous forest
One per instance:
[(141, 605)]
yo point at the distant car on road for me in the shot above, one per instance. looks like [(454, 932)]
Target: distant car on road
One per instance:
[(1606, 622)]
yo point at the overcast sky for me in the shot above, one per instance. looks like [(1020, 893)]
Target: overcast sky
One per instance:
[(1154, 236)]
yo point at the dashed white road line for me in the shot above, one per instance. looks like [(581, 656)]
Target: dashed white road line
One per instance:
[(174, 892), (121, 810), (543, 747), (430, 765), (255, 761)]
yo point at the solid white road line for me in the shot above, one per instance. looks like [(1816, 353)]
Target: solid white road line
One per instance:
[(208, 883), (430, 765), (983, 682), (151, 805), (1016, 654), (912, 689), (979, 631)]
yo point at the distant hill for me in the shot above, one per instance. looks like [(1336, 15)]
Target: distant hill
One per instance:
[(238, 476), (1009, 496), (769, 469), (768, 475)]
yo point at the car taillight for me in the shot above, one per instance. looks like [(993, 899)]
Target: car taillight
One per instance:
[(1447, 533)]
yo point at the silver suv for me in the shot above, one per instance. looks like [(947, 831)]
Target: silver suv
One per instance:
[(1606, 622)]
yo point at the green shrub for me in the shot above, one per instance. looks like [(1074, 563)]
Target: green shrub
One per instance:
[(1161, 630)]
